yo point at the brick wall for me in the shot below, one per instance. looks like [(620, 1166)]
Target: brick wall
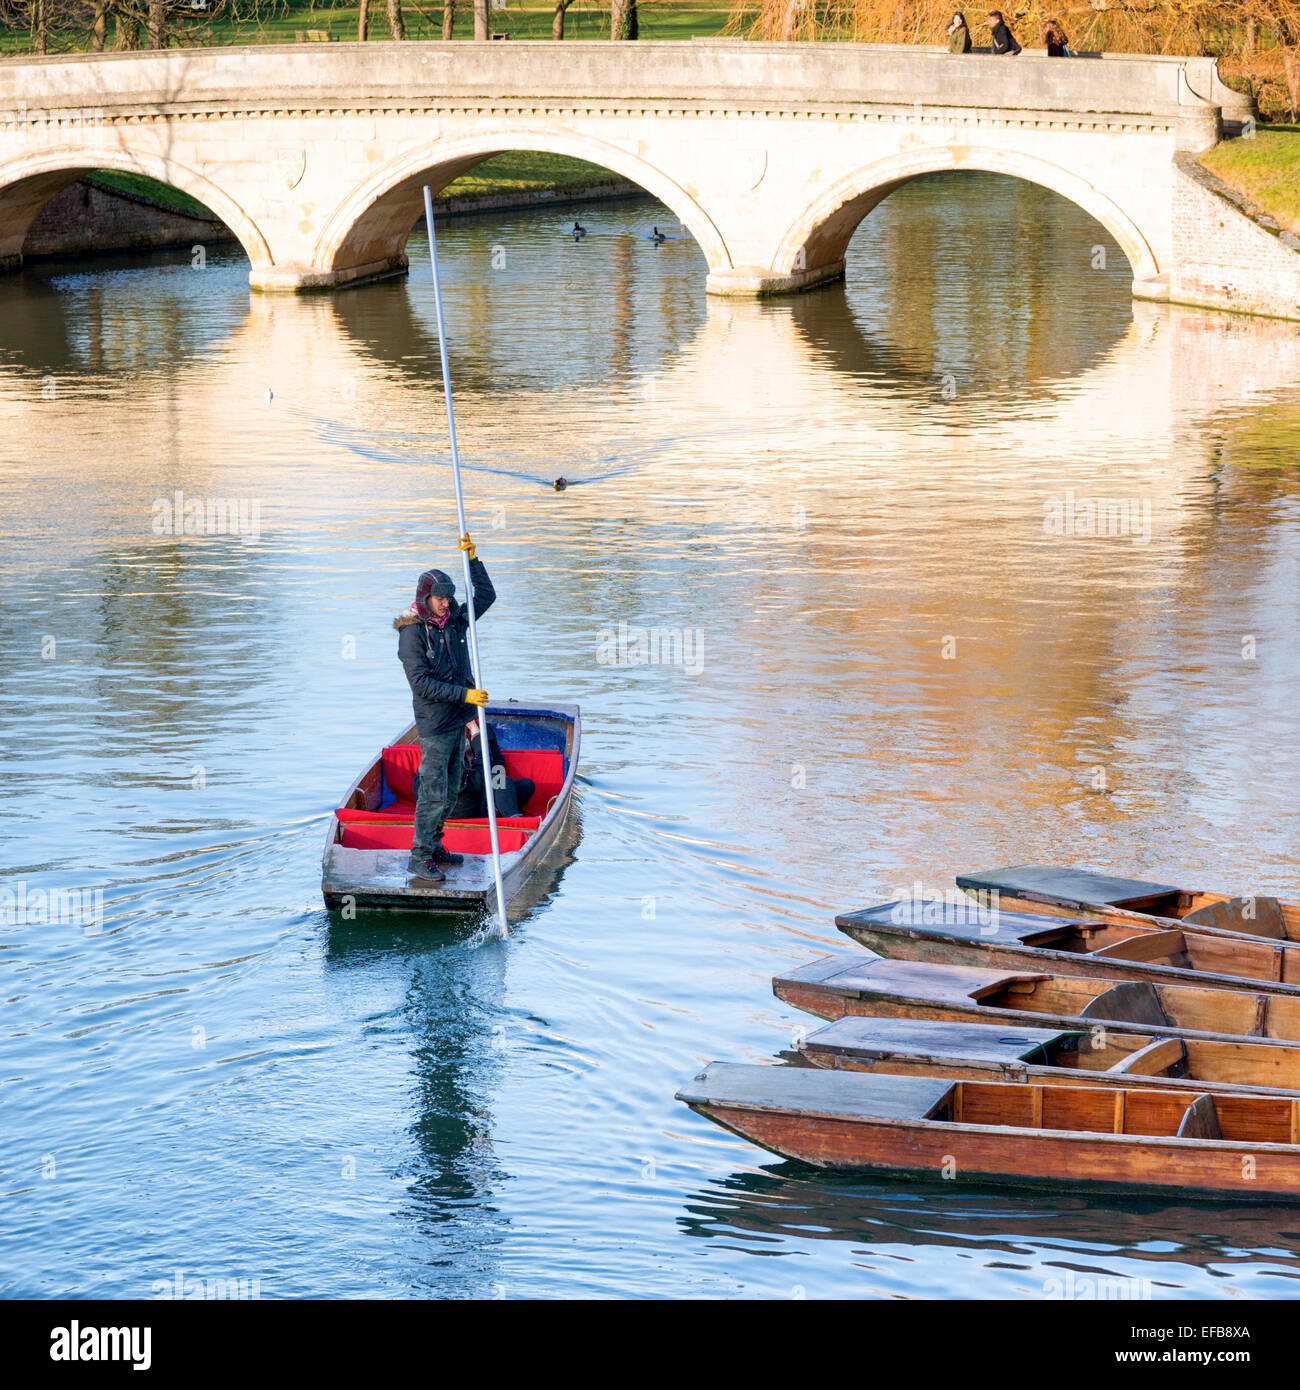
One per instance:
[(86, 219), (1223, 258)]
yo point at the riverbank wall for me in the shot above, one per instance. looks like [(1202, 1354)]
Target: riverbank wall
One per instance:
[(1228, 254), (90, 219)]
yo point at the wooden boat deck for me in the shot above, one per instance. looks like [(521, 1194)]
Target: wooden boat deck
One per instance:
[(1051, 889), (1077, 946), (872, 985), (815, 1092)]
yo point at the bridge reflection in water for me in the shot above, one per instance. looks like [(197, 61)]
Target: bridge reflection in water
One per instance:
[(824, 490)]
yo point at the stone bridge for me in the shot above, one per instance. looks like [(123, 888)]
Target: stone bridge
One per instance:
[(769, 154)]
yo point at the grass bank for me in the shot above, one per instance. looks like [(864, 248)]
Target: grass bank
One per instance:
[(520, 171), (1265, 169)]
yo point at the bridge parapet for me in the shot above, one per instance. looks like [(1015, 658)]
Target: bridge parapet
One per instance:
[(795, 75)]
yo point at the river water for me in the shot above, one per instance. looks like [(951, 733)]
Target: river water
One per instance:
[(892, 667)]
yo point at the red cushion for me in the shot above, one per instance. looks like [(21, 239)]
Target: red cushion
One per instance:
[(470, 839), (398, 811), (511, 822), (541, 764), (474, 839), (378, 836), (401, 762)]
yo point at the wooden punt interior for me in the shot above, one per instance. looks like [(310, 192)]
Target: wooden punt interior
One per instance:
[(889, 1044), (1184, 950), (1056, 891), (808, 1096), (1124, 1110), (913, 1046)]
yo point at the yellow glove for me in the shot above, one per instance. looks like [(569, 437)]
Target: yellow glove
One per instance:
[(467, 545), (476, 697)]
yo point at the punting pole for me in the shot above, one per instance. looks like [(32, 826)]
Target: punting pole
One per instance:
[(485, 748)]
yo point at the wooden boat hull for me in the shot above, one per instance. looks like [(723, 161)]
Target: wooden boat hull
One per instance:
[(356, 879), (1054, 891), (1008, 1133), (1115, 951), (851, 984), (1052, 1057)]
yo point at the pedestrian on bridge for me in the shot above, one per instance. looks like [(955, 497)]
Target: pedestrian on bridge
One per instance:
[(1058, 46), (958, 34), (1004, 41)]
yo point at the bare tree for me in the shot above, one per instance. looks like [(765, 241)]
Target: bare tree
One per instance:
[(448, 19), (481, 31), (363, 20), (396, 24), (557, 23)]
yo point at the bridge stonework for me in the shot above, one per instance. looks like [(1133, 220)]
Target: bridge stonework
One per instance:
[(769, 154)]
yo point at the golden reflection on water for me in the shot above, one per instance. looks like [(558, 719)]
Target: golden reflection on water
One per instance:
[(841, 497)]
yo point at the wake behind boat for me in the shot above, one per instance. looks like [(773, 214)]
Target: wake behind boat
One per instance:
[(370, 835)]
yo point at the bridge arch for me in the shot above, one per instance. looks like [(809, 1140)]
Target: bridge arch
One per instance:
[(820, 235), (29, 182), (371, 225)]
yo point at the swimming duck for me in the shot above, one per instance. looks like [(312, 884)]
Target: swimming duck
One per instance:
[(579, 231), (657, 236)]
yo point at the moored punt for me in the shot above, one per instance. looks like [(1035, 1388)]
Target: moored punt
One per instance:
[(992, 937), (853, 984), (1129, 1137), (370, 835), (1053, 1056), (1047, 889)]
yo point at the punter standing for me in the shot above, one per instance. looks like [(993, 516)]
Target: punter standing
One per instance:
[(433, 647)]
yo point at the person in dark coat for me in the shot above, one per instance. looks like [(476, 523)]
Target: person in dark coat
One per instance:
[(1054, 40), (433, 647), (1004, 41), (511, 794)]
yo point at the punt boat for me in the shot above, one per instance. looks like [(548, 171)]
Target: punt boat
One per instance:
[(1052, 1056), (1075, 946), (371, 833), (852, 983), (989, 1131), (1046, 889)]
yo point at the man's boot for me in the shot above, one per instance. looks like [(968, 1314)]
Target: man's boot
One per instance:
[(422, 865)]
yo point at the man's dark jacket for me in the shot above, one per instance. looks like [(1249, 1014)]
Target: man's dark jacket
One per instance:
[(436, 660), (1004, 40)]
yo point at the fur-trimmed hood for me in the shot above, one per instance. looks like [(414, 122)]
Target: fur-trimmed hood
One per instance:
[(411, 616)]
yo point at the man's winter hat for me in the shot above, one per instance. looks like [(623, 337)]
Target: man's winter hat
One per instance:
[(433, 584)]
